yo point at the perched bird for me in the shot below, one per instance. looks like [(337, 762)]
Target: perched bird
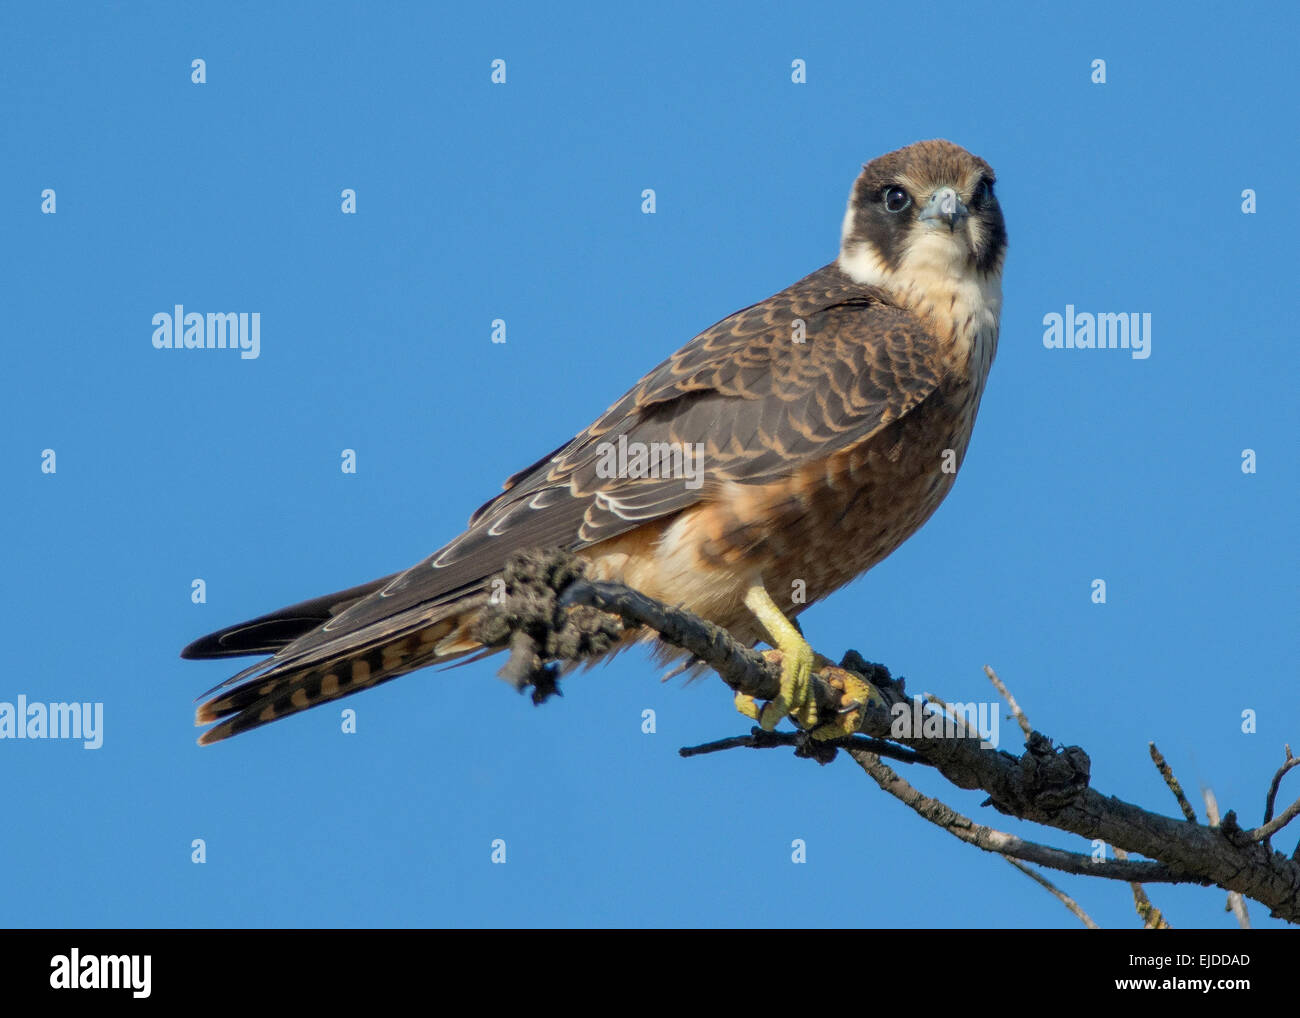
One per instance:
[(829, 422)]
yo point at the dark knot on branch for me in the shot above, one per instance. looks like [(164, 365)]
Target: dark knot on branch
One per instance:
[(1048, 779), (526, 612)]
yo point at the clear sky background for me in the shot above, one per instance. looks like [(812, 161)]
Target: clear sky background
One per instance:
[(523, 202)]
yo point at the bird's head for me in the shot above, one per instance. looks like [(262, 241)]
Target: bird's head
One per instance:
[(925, 212)]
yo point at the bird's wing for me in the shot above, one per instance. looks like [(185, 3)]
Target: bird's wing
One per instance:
[(816, 368), (267, 634)]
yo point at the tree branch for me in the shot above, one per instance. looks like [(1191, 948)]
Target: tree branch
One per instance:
[(1152, 918), (759, 739), (1064, 898), (1005, 693), (1165, 772), (1288, 764), (564, 617), (964, 829), (1235, 903)]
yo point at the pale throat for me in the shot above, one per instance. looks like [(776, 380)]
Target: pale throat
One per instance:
[(936, 281)]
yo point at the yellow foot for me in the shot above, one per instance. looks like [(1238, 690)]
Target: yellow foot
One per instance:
[(748, 706), (856, 694), (795, 698)]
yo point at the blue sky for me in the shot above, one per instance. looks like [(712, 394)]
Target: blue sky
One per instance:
[(522, 202)]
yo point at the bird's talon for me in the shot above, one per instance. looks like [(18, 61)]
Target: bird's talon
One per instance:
[(857, 693), (748, 706)]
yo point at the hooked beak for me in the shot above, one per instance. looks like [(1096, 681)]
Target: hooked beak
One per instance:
[(944, 208)]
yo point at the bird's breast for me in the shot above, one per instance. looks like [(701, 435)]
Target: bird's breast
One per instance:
[(807, 534)]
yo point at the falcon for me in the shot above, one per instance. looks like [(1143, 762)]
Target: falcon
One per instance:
[(831, 418)]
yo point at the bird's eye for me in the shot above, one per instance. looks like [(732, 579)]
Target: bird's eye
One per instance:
[(983, 190), (896, 199)]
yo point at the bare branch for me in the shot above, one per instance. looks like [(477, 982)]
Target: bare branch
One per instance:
[(1172, 782), (1290, 762), (1266, 831), (1016, 712), (760, 739), (1152, 918), (964, 829), (1235, 902), (564, 617), (1065, 899)]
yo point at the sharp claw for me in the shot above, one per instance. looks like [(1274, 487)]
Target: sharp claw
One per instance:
[(798, 661), (747, 705), (856, 695)]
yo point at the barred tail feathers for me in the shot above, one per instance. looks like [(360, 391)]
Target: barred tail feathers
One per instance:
[(287, 690)]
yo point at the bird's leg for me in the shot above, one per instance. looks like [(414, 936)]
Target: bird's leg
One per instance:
[(795, 697), (797, 660)]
